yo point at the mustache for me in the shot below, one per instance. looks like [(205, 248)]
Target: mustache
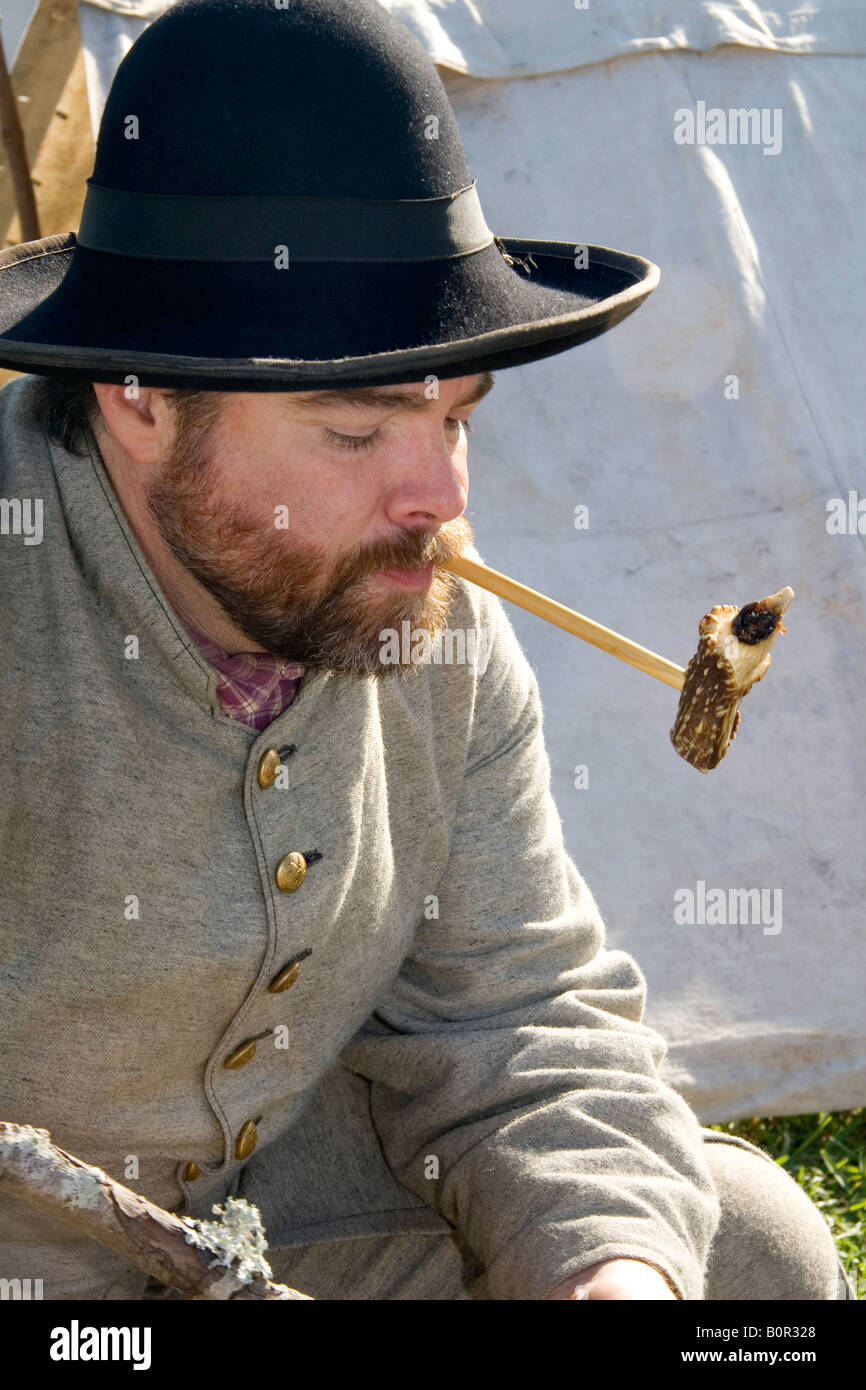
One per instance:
[(409, 550)]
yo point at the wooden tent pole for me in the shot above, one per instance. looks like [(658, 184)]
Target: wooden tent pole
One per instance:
[(16, 155)]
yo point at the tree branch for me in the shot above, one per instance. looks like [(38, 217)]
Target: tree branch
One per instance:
[(156, 1241)]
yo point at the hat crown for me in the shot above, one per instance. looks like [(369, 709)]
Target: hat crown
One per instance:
[(281, 201), (319, 98)]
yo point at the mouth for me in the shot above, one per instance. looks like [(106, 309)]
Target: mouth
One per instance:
[(417, 579)]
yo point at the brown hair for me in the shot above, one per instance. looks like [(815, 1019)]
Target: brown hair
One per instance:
[(68, 410)]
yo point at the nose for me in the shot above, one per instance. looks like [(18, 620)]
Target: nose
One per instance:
[(429, 482)]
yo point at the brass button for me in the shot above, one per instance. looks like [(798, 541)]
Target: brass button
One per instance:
[(241, 1055), (191, 1172), (285, 979), (291, 872), (269, 765), (247, 1140), (289, 973)]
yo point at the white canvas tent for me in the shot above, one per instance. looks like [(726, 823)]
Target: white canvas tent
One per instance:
[(15, 17), (707, 437)]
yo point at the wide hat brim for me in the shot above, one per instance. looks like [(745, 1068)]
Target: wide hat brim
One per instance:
[(82, 314)]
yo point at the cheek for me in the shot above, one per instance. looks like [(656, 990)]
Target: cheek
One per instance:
[(339, 508), (305, 492)]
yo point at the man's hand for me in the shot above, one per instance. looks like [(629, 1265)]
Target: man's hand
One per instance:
[(617, 1279)]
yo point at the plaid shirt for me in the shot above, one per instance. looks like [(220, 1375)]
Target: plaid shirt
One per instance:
[(254, 687)]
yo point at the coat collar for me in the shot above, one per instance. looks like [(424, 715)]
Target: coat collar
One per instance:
[(117, 570)]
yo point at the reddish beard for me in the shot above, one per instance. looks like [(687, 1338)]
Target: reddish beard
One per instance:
[(282, 591)]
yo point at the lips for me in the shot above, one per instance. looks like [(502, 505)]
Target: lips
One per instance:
[(417, 579)]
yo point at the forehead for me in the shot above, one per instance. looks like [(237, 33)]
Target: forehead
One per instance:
[(411, 396)]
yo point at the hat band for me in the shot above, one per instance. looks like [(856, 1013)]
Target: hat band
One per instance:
[(253, 227)]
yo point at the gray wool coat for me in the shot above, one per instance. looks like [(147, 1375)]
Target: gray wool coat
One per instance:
[(459, 1051)]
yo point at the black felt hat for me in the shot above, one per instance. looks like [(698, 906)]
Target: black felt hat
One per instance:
[(280, 200)]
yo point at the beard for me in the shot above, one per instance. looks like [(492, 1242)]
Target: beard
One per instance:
[(285, 594)]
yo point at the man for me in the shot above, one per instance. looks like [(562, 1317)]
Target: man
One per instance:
[(286, 916)]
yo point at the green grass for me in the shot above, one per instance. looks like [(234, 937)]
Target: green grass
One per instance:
[(826, 1155)]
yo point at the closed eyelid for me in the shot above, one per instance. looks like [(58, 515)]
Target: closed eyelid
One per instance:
[(341, 440), (346, 427)]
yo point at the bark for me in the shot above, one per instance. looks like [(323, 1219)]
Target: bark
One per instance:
[(37, 1171)]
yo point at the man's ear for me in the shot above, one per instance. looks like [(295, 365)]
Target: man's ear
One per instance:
[(138, 418)]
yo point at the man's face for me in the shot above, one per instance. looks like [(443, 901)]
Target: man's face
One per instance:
[(292, 529)]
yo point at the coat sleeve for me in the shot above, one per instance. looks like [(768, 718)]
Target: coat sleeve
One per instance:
[(514, 1085)]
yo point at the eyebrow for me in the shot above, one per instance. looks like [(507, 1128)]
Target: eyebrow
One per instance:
[(386, 398)]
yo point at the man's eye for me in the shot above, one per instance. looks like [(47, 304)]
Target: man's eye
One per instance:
[(363, 441), (350, 441)]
